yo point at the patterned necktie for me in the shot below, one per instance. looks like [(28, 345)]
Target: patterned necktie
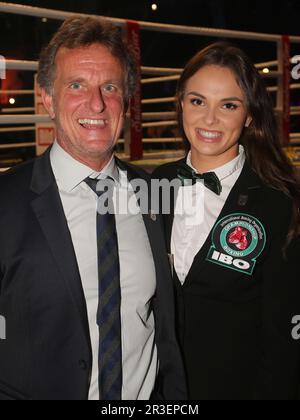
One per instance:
[(109, 305), (211, 181)]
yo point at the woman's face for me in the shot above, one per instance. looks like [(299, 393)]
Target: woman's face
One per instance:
[(214, 114)]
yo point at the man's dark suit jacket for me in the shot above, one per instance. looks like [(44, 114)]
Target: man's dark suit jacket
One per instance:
[(47, 352), (236, 329)]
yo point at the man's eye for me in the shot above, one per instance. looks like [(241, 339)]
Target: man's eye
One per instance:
[(110, 88), (230, 106), (75, 86)]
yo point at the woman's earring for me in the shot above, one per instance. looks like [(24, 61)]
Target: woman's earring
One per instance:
[(248, 122)]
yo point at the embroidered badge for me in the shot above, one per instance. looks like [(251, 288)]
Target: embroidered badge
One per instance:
[(237, 241)]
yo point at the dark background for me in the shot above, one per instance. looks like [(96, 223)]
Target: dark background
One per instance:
[(22, 37)]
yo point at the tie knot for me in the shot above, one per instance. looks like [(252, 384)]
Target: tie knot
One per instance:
[(94, 184), (211, 181)]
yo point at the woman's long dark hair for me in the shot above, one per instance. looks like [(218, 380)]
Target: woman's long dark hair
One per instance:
[(261, 139)]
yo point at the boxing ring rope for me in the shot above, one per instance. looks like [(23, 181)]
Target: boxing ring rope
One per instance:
[(18, 65), (17, 110), (17, 92), (15, 146), (157, 27), (159, 75)]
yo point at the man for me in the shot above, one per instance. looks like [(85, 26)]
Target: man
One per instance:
[(68, 336)]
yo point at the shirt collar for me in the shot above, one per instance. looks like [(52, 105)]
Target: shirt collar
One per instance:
[(69, 173), (226, 170)]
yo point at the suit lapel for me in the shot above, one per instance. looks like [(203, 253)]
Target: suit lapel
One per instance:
[(169, 218), (48, 209), (150, 216), (151, 219)]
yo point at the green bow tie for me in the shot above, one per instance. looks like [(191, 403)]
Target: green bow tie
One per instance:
[(211, 181)]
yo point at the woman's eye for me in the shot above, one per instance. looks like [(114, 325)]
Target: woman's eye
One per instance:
[(230, 106), (196, 102)]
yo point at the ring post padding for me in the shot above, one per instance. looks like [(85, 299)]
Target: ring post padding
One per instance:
[(286, 79), (136, 129)]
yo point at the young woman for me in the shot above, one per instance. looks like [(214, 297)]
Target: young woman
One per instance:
[(236, 269)]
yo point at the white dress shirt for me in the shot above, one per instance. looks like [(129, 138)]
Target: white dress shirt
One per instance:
[(188, 238), (137, 272)]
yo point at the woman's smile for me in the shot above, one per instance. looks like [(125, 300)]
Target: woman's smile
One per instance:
[(209, 136)]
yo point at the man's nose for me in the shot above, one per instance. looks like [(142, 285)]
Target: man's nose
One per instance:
[(97, 102)]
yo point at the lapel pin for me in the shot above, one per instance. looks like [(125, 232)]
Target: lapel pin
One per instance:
[(243, 200), (153, 216)]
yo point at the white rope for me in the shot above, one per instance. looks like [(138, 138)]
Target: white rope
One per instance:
[(160, 124), (24, 119), (158, 101), (294, 86), (270, 75), (295, 110), (16, 110), (33, 66), (268, 64), (163, 79), (150, 116), (167, 74), (21, 65), (17, 145), (160, 79), (16, 92), (163, 140), (16, 129), (158, 27), (160, 71)]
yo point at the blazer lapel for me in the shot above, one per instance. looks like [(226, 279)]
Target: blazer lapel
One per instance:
[(169, 218), (48, 209), (241, 199), (151, 219)]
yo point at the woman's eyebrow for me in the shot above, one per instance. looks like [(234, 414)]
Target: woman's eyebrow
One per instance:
[(232, 99), (197, 94)]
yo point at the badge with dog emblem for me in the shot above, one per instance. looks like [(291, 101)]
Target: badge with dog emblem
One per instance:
[(237, 241)]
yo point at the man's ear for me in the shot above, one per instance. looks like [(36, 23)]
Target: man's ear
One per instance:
[(48, 103)]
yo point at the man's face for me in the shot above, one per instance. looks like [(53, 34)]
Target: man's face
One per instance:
[(87, 103)]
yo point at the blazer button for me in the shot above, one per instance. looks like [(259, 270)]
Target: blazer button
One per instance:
[(83, 365)]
